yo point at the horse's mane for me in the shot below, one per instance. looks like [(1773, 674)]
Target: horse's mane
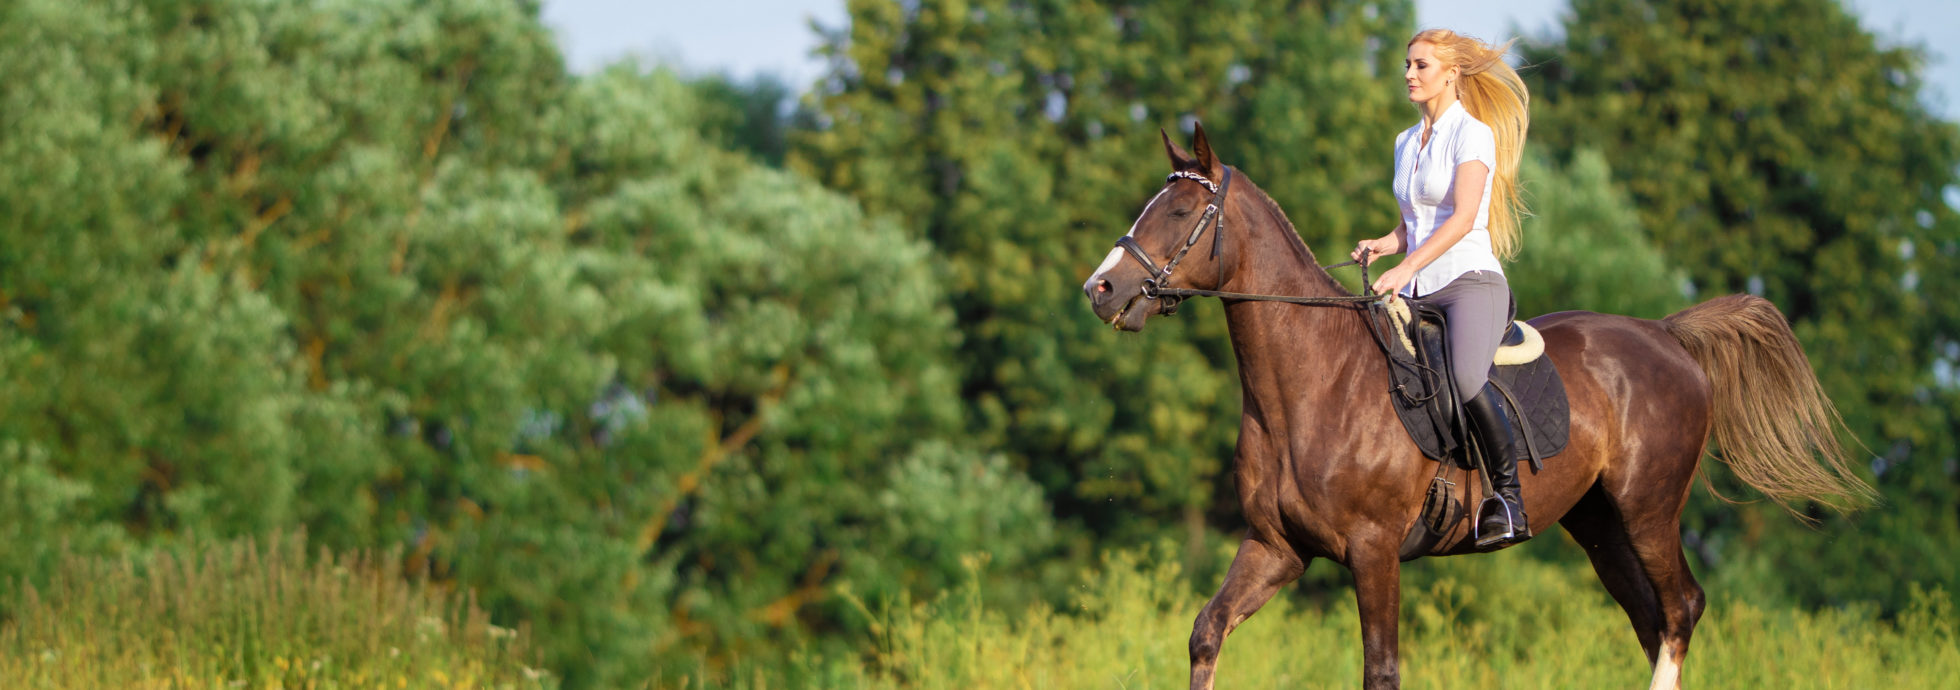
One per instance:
[(1299, 244), (1279, 214)]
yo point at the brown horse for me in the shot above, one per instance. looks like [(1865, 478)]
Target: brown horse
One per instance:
[(1324, 469)]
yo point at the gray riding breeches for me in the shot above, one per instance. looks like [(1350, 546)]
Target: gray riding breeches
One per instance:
[(1478, 305)]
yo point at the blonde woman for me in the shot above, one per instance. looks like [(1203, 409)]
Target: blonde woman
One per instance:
[(1456, 180)]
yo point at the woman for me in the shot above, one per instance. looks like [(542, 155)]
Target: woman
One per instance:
[(1456, 180)]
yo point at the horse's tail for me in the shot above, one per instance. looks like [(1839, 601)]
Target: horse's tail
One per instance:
[(1773, 423)]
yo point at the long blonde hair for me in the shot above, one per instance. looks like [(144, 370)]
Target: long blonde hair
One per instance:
[(1493, 93)]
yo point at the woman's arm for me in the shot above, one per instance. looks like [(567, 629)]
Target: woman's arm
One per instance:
[(1469, 190)]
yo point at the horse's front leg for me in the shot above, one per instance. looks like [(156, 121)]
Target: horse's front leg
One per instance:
[(1378, 593), (1258, 571)]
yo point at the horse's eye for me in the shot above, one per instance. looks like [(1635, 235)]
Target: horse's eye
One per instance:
[(1180, 213)]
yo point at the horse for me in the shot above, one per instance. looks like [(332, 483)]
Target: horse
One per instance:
[(1323, 470)]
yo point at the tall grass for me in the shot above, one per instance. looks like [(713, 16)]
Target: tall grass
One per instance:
[(241, 614), (1477, 622), (250, 614)]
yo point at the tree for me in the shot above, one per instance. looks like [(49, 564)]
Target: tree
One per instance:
[(747, 115), (1585, 248), (388, 273)]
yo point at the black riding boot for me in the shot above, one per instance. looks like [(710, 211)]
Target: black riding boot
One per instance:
[(1500, 519)]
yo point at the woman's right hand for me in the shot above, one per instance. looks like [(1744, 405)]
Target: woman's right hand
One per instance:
[(1376, 248)]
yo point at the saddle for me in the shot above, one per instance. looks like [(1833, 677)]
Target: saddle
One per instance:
[(1424, 393), (1425, 397)]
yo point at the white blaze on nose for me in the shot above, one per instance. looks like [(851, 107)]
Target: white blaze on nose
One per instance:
[(1116, 255)]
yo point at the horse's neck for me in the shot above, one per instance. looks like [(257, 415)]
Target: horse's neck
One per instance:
[(1286, 351)]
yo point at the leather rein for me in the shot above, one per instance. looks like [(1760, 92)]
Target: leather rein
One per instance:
[(1154, 288)]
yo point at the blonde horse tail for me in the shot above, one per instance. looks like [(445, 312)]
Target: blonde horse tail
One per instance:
[(1773, 424)]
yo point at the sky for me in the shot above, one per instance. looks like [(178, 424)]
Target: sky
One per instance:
[(743, 38)]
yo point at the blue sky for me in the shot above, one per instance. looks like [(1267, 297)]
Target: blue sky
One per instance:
[(745, 37)]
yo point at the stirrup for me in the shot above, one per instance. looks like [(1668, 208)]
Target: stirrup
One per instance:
[(1512, 532)]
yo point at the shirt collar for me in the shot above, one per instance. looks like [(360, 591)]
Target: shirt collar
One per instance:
[(1448, 114), (1452, 111)]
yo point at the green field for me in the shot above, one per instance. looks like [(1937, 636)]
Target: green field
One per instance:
[(1493, 621), (259, 614), (244, 615)]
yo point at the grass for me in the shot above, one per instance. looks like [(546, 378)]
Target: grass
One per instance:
[(245, 614), (241, 614), (1467, 622)]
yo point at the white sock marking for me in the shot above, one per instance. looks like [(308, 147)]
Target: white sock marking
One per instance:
[(1667, 669)]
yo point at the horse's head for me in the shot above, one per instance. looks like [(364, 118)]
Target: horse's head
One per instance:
[(1158, 251)]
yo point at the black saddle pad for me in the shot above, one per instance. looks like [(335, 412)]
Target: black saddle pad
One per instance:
[(1424, 396)]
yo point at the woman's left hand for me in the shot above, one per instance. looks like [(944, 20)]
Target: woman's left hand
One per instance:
[(1393, 281)]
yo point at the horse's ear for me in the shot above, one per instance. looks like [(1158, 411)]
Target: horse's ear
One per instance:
[(1179, 159), (1207, 162)]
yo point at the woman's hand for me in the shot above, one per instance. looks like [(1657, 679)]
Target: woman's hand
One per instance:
[(1377, 248), (1393, 281)]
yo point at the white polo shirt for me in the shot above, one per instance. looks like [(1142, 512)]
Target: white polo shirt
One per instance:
[(1425, 181)]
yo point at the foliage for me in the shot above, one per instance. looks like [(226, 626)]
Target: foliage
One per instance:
[(1774, 146), (1582, 231), (749, 115), (386, 272), (258, 614)]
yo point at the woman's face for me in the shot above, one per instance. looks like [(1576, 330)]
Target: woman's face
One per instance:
[(1426, 76)]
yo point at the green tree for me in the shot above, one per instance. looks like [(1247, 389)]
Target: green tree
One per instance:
[(386, 272), (1585, 247), (1775, 147), (748, 116)]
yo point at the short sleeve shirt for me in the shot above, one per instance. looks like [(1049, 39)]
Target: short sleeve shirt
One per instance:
[(1425, 188)]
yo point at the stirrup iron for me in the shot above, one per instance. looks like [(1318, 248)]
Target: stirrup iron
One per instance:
[(1512, 532)]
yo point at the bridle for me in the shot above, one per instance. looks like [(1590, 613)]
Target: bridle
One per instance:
[(1155, 287)]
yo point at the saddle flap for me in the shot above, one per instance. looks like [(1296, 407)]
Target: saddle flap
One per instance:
[(1412, 333)]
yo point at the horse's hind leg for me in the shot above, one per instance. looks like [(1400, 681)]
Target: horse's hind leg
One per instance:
[(1257, 572), (1641, 563), (1596, 525), (1681, 600)]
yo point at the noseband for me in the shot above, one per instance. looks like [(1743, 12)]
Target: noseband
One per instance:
[(1159, 277)]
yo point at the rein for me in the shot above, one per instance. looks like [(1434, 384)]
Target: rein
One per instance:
[(1153, 288)]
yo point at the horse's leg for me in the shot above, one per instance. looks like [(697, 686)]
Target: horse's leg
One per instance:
[(1657, 543), (1257, 572), (1635, 544), (1378, 594), (1596, 525)]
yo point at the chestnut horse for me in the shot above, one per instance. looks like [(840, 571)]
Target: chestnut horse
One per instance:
[(1324, 468)]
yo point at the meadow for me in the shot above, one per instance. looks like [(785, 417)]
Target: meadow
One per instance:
[(245, 614), (258, 614), (1502, 620)]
